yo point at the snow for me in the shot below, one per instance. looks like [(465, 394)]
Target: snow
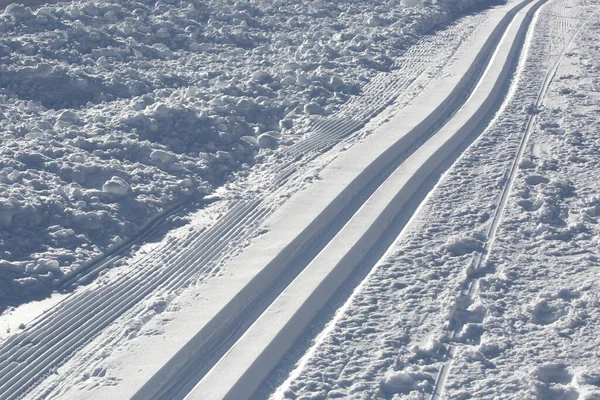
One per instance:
[(112, 112), (116, 185), (271, 336), (531, 329), (402, 382), (267, 141)]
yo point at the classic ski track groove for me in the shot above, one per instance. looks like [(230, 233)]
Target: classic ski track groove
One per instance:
[(18, 366), (47, 343), (482, 258)]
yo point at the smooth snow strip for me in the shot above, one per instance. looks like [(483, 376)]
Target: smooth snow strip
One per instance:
[(248, 362), (228, 300)]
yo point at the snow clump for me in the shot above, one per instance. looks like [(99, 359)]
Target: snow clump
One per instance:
[(116, 185)]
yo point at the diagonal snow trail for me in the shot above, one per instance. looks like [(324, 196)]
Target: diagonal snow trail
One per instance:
[(482, 258)]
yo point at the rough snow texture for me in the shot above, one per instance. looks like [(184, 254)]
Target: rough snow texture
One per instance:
[(113, 111), (539, 338), (531, 330)]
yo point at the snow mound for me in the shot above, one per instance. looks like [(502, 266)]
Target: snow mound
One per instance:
[(401, 382), (464, 244)]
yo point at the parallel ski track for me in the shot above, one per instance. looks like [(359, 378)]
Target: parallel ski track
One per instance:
[(491, 233), (203, 361), (378, 94), (241, 385), (27, 357), (87, 272)]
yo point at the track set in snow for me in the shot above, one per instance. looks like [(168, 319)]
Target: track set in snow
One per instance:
[(467, 297), (253, 311), (200, 252)]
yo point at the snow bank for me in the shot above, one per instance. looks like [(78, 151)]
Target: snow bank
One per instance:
[(108, 110)]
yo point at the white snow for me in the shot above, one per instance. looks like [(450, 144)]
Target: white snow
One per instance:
[(271, 336), (113, 112), (531, 329), (116, 185)]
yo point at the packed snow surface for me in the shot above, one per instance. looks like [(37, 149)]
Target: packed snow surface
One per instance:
[(113, 112)]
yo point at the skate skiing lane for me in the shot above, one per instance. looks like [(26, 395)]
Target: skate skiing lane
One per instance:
[(248, 362), (225, 301)]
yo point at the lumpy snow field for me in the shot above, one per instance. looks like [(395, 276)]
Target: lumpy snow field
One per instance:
[(114, 113)]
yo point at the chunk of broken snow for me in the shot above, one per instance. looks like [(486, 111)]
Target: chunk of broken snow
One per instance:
[(313, 108), (336, 83), (267, 141), (116, 185), (67, 118), (44, 264), (261, 77), (397, 382), (161, 111), (251, 140), (462, 244), (163, 156), (17, 10), (288, 81), (291, 66), (526, 163)]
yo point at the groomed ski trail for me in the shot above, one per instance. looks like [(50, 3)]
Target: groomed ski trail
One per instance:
[(261, 347), (27, 358)]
